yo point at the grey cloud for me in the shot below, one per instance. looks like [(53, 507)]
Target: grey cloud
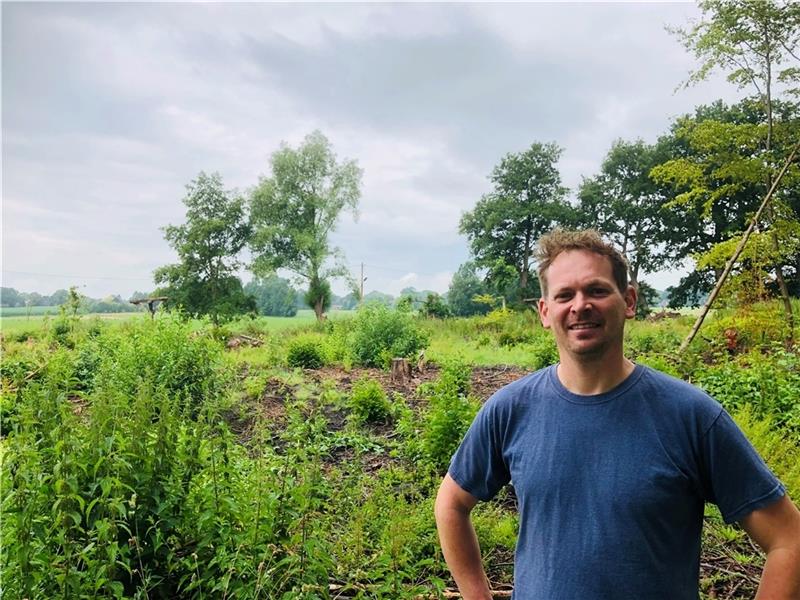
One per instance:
[(109, 109)]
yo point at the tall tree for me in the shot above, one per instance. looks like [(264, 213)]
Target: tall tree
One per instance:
[(466, 284), (757, 43), (10, 297), (208, 245), (718, 173), (527, 201), (295, 209), (625, 204)]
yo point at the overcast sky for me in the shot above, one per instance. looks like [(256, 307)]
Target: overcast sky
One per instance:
[(109, 110)]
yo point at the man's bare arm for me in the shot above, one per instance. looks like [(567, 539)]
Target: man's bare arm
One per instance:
[(458, 540), (776, 528)]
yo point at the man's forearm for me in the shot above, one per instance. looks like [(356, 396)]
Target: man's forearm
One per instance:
[(462, 553), (780, 579)]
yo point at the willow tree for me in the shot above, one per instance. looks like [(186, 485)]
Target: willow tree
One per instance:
[(294, 210)]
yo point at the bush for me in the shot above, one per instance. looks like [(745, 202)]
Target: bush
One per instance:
[(434, 307), (497, 320), (162, 355), (496, 528), (651, 339), (454, 378), (750, 327), (450, 413), (769, 383), (306, 352), (778, 449), (61, 331), (544, 352), (380, 334), (368, 402), (660, 362)]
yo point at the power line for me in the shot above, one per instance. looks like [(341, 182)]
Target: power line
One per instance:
[(77, 276), (404, 271)]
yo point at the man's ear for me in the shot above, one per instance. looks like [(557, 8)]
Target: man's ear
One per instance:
[(630, 302), (543, 314)]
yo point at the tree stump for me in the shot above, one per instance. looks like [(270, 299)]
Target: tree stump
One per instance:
[(401, 371)]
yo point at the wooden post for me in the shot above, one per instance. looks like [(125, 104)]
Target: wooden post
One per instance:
[(736, 253)]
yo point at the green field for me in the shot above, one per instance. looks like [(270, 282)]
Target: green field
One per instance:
[(12, 323), (20, 311)]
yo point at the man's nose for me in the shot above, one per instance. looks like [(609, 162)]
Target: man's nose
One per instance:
[(581, 302)]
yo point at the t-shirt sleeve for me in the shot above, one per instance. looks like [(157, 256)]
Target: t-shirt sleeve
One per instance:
[(736, 478), (478, 465)]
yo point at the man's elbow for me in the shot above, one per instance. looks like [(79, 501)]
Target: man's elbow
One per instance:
[(452, 502)]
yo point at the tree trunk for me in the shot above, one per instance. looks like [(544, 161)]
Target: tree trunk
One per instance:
[(319, 309), (787, 302), (401, 371)]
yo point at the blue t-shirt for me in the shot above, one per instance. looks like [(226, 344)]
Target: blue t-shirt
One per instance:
[(611, 487)]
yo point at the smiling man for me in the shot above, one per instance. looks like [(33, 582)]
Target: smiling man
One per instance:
[(612, 462)]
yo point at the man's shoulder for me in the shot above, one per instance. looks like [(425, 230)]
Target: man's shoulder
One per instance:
[(663, 390)]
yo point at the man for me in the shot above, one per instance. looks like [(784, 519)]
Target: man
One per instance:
[(611, 462)]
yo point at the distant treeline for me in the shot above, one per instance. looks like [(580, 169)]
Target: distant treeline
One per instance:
[(20, 303), (275, 296)]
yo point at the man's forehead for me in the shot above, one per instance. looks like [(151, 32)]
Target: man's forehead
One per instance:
[(581, 262), (573, 282)]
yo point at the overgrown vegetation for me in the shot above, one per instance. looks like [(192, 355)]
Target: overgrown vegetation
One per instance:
[(144, 459)]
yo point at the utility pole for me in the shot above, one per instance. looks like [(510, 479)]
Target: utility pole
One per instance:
[(362, 280)]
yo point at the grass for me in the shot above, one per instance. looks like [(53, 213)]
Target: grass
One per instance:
[(448, 345), (17, 322), (36, 324), (24, 311)]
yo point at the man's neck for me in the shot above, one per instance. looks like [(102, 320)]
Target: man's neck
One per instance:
[(591, 376)]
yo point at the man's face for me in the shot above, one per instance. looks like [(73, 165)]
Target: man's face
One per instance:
[(583, 306)]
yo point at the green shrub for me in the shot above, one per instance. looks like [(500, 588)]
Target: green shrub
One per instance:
[(778, 448), (87, 364), (434, 307), (769, 383), (514, 337), (454, 378), (660, 362), (368, 402), (448, 416), (748, 327), (161, 355), (544, 351), (306, 352), (336, 339), (497, 319), (380, 334), (444, 426), (60, 332), (24, 336), (496, 528), (649, 340)]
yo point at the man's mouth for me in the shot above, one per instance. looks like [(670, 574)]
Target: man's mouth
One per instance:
[(575, 326)]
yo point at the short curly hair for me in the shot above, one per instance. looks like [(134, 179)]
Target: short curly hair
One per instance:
[(557, 241)]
